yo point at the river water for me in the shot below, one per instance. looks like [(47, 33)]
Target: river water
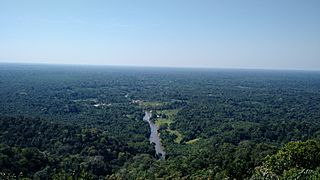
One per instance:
[(154, 136)]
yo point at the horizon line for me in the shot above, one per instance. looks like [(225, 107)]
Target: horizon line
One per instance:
[(161, 66)]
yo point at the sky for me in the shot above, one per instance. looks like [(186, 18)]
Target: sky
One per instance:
[(267, 34)]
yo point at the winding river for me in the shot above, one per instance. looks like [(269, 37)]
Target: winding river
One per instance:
[(154, 136)]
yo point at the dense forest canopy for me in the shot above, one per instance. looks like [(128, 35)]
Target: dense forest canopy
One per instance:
[(85, 122)]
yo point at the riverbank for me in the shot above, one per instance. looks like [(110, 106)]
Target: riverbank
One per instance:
[(154, 135)]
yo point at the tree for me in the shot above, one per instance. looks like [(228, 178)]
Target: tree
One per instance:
[(296, 160)]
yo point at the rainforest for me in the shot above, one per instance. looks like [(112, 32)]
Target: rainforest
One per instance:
[(110, 122)]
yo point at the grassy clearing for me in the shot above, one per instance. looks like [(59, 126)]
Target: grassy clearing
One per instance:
[(193, 141), (179, 135), (152, 105), (169, 120), (162, 121)]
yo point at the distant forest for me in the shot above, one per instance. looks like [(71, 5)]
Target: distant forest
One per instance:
[(78, 122)]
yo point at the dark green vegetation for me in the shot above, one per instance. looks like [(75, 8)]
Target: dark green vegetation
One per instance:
[(59, 122)]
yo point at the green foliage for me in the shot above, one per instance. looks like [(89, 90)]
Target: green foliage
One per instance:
[(45, 147), (296, 160), (63, 122), (299, 155)]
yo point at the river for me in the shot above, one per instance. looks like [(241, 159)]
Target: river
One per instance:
[(154, 136)]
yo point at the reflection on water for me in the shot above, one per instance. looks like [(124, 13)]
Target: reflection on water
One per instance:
[(154, 136)]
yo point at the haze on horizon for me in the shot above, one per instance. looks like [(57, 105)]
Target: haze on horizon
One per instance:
[(274, 34)]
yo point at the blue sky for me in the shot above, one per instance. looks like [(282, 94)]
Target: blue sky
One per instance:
[(271, 34)]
